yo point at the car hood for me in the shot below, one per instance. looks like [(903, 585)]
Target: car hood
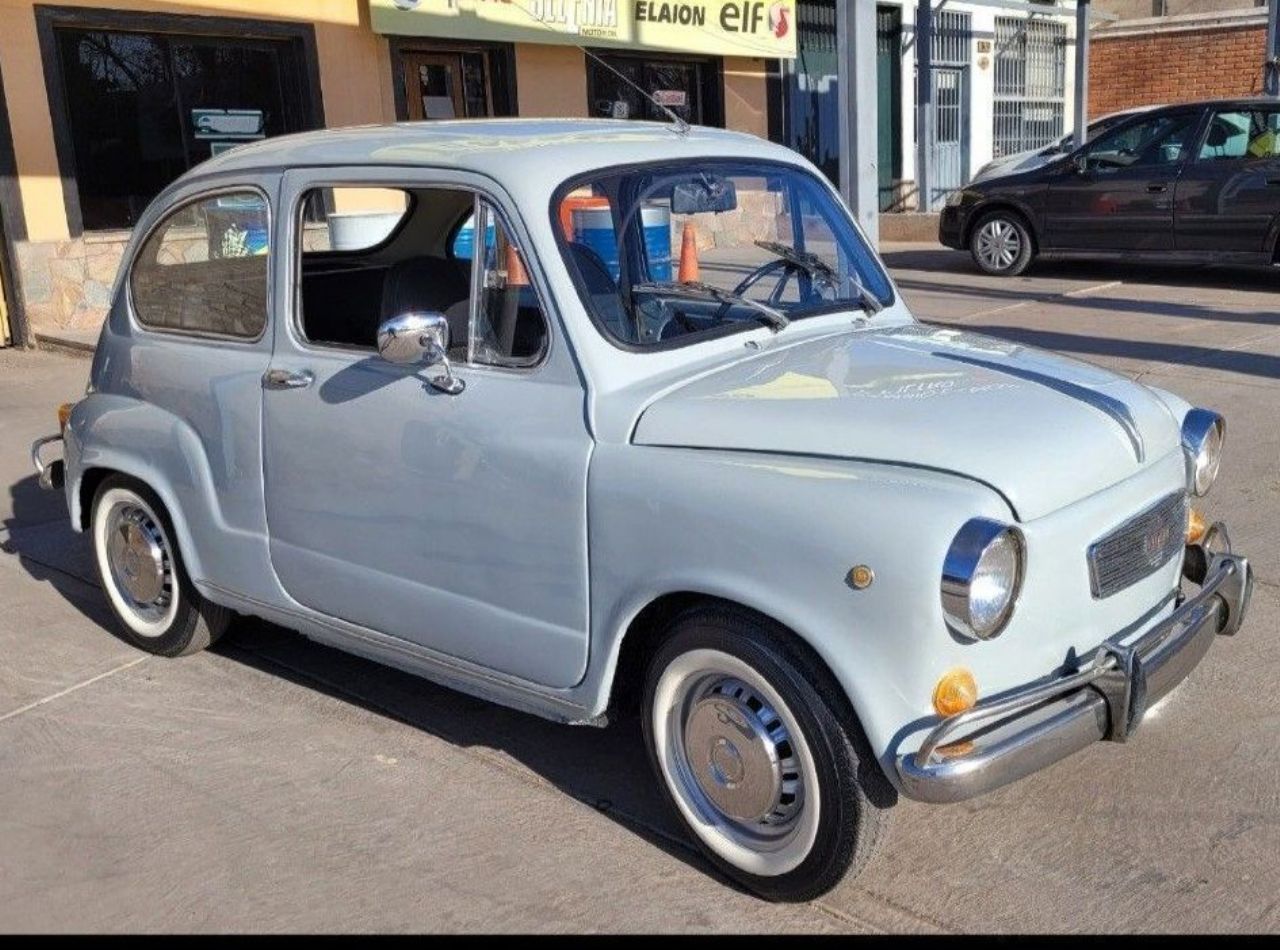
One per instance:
[(1044, 430), (1013, 165)]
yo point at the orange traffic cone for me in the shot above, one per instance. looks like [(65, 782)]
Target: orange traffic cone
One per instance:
[(516, 274), (689, 271)]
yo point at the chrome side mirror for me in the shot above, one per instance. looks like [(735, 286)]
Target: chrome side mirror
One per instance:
[(418, 337)]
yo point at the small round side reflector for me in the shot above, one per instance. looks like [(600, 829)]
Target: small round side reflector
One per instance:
[(956, 691), (64, 414)]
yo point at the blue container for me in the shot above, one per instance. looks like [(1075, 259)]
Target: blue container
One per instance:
[(464, 243), (594, 228), (256, 239)]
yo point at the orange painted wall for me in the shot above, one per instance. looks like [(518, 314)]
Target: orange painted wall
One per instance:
[(355, 82)]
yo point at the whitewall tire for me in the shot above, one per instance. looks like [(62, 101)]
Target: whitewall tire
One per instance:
[(760, 755)]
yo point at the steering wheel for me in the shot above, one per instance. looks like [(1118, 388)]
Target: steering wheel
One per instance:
[(767, 269)]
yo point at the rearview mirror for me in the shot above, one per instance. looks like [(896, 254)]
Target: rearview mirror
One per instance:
[(708, 195), (420, 337)]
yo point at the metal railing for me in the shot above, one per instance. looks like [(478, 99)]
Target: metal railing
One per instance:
[(1030, 83)]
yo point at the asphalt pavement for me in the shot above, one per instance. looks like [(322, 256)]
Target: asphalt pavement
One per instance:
[(273, 784)]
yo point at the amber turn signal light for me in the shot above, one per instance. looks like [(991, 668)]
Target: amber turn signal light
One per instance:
[(1196, 527), (64, 413), (956, 691)]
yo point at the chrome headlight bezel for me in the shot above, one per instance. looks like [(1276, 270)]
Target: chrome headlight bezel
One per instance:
[(978, 539), (1203, 432)]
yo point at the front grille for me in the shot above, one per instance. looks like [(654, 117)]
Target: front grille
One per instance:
[(1139, 547)]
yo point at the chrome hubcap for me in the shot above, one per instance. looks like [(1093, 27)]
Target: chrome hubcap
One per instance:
[(735, 759), (139, 559), (999, 244)]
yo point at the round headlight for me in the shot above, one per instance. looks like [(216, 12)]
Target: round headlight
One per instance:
[(1202, 434), (981, 577)]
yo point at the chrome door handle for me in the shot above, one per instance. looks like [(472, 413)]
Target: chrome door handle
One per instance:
[(1157, 187), (287, 379)]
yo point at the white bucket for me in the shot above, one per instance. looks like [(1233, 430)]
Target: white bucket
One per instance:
[(355, 232)]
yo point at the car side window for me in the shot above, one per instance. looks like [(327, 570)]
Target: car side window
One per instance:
[(508, 327), (369, 254), (1159, 140), (1242, 135), (204, 270)]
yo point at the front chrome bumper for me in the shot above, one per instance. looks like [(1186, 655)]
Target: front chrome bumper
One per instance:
[(1017, 733), (50, 474)]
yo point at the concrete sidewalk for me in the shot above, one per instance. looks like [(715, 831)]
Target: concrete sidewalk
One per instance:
[(273, 784)]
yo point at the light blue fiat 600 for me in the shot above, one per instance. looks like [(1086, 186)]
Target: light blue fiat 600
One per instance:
[(590, 417)]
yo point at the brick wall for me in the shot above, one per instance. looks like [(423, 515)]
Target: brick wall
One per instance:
[(1175, 66)]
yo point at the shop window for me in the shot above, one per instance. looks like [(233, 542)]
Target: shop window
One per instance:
[(204, 269), (688, 86), (141, 108)]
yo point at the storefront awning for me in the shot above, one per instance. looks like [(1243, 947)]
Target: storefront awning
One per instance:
[(763, 28)]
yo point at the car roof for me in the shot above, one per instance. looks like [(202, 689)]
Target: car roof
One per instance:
[(1245, 102), (505, 149)]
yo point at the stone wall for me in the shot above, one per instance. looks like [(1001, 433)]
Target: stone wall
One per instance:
[(66, 285)]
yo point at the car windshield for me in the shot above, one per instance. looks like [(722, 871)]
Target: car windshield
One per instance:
[(667, 254), (1068, 141)]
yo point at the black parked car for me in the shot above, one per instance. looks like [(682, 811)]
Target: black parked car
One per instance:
[(1198, 182)]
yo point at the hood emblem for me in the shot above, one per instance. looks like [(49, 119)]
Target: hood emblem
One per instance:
[(1109, 406)]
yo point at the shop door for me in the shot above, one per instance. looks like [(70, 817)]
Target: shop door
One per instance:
[(446, 86), (949, 157), (950, 53)]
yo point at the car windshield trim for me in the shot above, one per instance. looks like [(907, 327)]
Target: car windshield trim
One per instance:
[(863, 255)]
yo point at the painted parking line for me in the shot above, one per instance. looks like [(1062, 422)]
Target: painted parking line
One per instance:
[(71, 689)]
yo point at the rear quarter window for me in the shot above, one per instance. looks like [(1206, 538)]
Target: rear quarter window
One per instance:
[(203, 270)]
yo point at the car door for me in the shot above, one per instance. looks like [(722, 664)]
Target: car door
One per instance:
[(1117, 192), (1228, 196), (456, 523)]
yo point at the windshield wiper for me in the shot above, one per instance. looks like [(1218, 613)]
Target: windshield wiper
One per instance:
[(695, 289), (815, 266)]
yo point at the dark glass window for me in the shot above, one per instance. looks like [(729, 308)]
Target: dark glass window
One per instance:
[(144, 107), (688, 87)]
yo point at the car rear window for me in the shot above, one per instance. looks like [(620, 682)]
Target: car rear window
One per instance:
[(203, 270)]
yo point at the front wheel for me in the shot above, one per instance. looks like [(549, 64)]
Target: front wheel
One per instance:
[(760, 755), (1001, 244)]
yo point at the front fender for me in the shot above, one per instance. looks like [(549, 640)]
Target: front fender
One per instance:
[(779, 535)]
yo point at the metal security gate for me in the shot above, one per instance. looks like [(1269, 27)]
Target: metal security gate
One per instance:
[(950, 52), (889, 103), (1030, 84), (949, 152)]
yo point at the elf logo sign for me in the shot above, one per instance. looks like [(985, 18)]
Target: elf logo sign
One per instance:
[(750, 17)]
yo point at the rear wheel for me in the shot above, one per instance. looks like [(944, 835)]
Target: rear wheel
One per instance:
[(1001, 244), (760, 756), (141, 572)]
